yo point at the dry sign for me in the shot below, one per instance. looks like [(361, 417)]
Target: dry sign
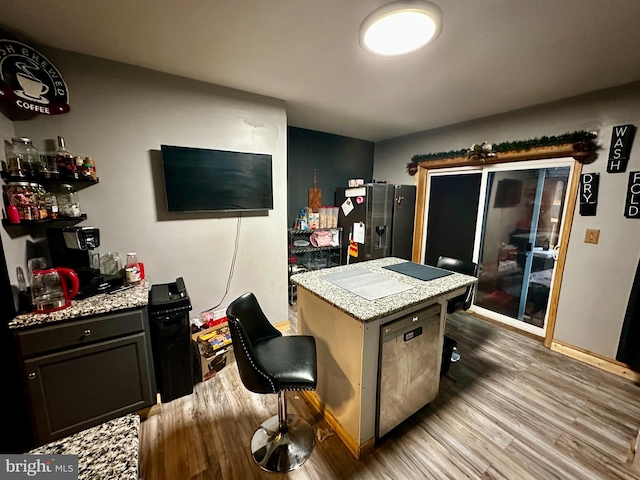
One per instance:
[(589, 183)]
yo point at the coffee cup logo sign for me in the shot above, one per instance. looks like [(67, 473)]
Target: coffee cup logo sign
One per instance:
[(29, 83)]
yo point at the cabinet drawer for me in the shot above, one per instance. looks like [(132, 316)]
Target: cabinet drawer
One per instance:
[(76, 333)]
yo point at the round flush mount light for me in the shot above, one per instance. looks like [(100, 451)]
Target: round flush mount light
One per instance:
[(400, 28)]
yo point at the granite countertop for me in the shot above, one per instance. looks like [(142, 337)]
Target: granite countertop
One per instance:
[(108, 451), (135, 297), (367, 310)]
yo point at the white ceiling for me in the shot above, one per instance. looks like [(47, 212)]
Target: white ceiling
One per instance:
[(492, 55)]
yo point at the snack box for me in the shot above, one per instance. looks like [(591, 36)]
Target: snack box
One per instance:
[(214, 349)]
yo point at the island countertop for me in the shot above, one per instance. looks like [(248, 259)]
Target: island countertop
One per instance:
[(367, 310), (135, 297)]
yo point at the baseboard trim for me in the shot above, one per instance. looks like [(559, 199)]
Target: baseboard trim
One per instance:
[(283, 326), (351, 443), (595, 360), (150, 411), (504, 325)]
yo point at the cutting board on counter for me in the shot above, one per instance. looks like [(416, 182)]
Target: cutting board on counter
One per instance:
[(315, 195)]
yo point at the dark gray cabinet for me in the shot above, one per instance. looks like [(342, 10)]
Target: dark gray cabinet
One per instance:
[(84, 372)]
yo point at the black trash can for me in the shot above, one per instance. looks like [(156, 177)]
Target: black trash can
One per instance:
[(169, 308), (447, 351)]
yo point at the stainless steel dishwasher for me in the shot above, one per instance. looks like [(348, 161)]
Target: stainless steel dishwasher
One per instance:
[(410, 355)]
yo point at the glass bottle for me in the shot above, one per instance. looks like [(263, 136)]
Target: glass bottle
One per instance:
[(79, 162), (64, 159), (132, 269), (25, 198), (110, 264), (44, 166), (51, 203), (68, 201), (14, 163), (51, 162), (41, 200), (28, 154)]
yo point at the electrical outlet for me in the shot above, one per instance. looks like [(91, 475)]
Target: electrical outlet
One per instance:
[(592, 236)]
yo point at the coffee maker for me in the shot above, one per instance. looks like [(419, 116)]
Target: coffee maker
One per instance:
[(77, 248)]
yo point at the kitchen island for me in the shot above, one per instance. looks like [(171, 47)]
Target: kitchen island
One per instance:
[(378, 359)]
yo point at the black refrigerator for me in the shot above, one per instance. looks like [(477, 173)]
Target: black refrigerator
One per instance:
[(384, 213)]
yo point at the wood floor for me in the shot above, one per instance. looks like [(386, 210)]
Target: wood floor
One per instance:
[(509, 409)]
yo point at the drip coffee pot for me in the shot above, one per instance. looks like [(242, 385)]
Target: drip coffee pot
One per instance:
[(53, 289)]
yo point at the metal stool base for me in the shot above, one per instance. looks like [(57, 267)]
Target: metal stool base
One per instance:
[(282, 452)]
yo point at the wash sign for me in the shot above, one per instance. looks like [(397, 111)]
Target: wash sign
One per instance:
[(632, 207), (589, 184), (621, 140)]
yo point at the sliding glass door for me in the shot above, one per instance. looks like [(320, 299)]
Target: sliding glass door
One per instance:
[(522, 217), (519, 221)]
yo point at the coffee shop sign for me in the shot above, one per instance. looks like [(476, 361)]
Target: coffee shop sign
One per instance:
[(29, 83)]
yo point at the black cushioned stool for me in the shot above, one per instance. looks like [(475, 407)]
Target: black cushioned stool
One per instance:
[(269, 362), (461, 302)]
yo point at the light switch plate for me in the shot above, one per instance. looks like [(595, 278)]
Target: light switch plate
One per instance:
[(592, 236)]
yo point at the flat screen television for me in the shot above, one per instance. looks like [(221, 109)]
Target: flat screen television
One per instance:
[(202, 180)]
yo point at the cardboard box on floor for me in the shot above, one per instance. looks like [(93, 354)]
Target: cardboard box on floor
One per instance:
[(211, 364)]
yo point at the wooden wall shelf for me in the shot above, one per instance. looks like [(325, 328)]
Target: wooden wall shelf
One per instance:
[(47, 222)]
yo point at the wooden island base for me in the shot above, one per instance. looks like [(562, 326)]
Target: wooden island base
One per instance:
[(359, 451)]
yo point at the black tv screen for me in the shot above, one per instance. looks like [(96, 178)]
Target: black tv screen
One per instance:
[(201, 180)]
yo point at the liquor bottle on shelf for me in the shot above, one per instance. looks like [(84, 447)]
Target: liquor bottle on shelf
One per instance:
[(66, 162)]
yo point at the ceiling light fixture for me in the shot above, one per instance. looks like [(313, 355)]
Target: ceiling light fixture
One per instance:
[(400, 28)]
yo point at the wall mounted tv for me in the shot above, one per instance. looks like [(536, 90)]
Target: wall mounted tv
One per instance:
[(201, 180)]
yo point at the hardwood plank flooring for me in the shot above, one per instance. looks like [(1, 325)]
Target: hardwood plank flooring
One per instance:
[(509, 409)]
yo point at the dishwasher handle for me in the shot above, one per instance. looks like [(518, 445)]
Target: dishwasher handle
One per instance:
[(405, 326), (416, 332)]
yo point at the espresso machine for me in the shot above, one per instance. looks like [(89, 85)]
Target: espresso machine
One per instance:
[(77, 248)]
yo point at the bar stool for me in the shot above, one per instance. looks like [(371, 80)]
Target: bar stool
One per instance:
[(269, 362), (461, 302)]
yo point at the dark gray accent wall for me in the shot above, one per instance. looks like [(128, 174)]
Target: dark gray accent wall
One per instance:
[(336, 159)]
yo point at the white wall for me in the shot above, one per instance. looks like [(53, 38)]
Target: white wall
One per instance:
[(597, 278), (7, 132), (120, 115)]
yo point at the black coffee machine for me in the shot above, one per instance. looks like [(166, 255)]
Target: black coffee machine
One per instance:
[(76, 248)]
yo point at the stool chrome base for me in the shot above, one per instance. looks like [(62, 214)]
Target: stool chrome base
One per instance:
[(277, 451)]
